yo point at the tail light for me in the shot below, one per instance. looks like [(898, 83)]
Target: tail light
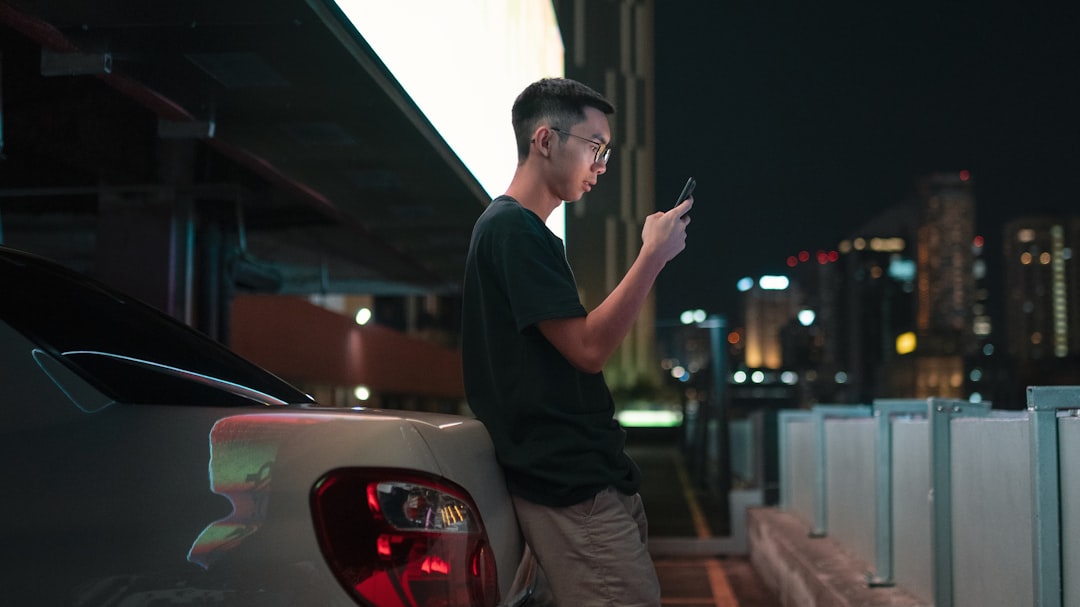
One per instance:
[(402, 539)]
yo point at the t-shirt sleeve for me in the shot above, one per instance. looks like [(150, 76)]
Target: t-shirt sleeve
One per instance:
[(539, 282)]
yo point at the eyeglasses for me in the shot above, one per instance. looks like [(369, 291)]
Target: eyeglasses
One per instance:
[(602, 150)]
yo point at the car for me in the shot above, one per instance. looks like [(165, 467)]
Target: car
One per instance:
[(146, 464)]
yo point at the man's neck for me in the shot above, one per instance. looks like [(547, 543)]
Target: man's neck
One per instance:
[(532, 196)]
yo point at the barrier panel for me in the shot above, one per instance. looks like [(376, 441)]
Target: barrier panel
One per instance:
[(798, 469), (885, 412), (910, 554), (849, 479), (968, 507)]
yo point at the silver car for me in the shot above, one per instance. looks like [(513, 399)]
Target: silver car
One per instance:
[(145, 464)]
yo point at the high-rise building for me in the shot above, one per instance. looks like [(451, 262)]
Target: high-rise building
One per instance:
[(769, 305), (946, 291), (1042, 282), (946, 285), (900, 311), (877, 304), (609, 46)]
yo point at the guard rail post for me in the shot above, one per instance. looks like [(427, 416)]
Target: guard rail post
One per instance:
[(884, 412), (942, 411), (1044, 403)]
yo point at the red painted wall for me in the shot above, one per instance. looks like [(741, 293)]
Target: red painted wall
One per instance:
[(300, 341)]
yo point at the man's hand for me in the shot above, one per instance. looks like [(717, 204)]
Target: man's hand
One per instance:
[(664, 234), (588, 341)]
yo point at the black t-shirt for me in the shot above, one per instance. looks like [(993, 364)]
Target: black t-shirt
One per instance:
[(552, 425)]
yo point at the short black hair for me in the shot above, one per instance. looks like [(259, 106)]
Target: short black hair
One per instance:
[(561, 101)]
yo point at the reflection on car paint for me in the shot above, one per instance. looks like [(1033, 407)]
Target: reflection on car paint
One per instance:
[(51, 368), (199, 378), (243, 449)]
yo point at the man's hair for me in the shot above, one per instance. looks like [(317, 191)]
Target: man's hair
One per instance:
[(559, 101)]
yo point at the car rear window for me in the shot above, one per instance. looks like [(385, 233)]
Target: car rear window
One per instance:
[(127, 349)]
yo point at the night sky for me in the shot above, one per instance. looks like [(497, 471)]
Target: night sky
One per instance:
[(802, 121)]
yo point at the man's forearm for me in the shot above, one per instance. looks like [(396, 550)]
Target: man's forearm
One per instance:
[(589, 341)]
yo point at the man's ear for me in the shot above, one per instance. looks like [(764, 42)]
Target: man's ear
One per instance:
[(543, 138)]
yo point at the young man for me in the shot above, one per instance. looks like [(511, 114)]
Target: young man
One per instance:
[(533, 355)]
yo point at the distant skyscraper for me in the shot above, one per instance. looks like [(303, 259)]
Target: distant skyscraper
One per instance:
[(767, 309), (1042, 281), (609, 47), (946, 285), (906, 313), (878, 303)]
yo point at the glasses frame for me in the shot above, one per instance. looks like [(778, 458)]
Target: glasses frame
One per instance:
[(603, 150)]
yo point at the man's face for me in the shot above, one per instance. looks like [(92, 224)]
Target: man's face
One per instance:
[(578, 160)]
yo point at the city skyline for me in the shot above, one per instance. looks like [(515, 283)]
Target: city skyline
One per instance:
[(918, 279), (800, 126)]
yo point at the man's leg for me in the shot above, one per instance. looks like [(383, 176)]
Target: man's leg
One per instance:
[(595, 553)]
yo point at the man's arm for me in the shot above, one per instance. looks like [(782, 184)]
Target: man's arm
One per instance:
[(588, 341)]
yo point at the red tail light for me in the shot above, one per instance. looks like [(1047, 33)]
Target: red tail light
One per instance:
[(401, 539)]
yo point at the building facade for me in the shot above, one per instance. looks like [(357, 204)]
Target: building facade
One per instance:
[(609, 46), (1042, 283)]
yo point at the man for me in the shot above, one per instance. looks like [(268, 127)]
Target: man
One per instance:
[(533, 355)]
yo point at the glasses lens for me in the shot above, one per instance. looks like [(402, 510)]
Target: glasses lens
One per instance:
[(603, 154)]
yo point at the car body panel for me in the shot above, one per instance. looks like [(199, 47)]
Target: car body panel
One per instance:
[(110, 503)]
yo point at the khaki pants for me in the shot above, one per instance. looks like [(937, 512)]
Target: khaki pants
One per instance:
[(594, 554)]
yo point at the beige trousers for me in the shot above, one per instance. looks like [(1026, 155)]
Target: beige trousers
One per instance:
[(594, 554)]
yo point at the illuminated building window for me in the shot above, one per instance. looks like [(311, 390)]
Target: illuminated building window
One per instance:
[(1059, 285), (979, 269), (906, 343), (1025, 235)]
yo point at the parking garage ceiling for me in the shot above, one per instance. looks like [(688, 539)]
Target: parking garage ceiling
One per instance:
[(274, 113)]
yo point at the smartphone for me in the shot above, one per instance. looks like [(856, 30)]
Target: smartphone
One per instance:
[(687, 190)]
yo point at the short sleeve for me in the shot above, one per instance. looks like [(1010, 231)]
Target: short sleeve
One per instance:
[(536, 276)]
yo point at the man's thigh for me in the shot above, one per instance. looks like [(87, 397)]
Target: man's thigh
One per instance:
[(594, 553)]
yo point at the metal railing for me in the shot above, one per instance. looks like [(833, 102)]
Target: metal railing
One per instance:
[(959, 493)]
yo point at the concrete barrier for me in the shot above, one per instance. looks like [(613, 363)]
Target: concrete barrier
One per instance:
[(806, 571)]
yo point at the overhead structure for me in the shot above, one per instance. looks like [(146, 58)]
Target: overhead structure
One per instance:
[(266, 139)]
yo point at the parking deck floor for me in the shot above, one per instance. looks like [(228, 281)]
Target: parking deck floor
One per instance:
[(677, 510)]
